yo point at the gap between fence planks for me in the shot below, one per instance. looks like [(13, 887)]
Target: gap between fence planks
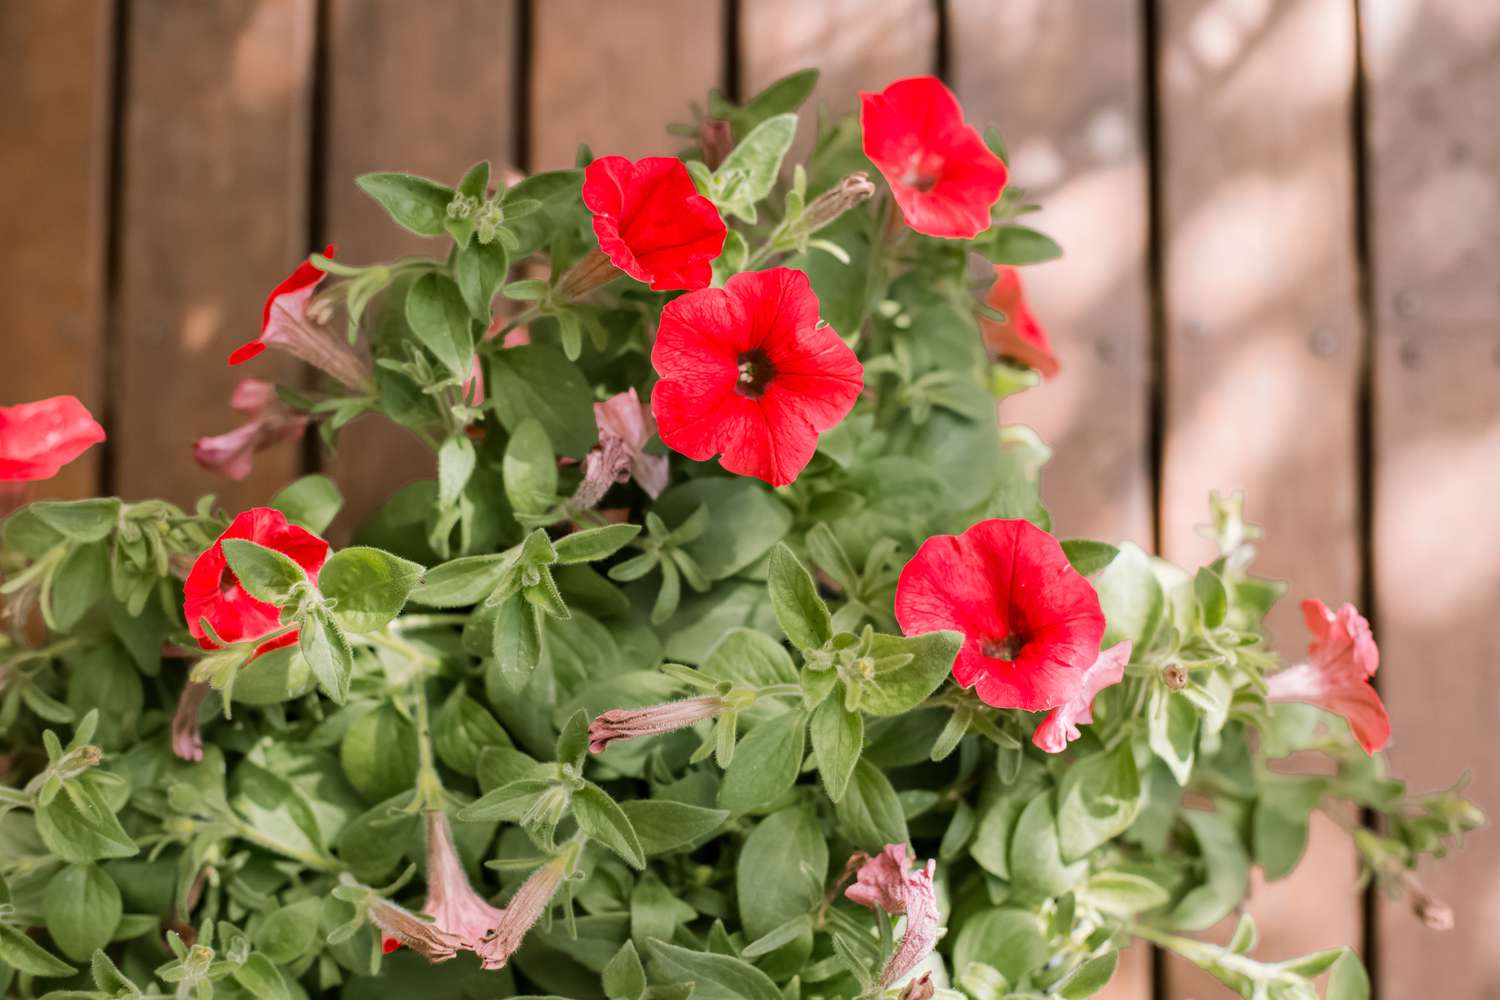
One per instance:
[(1264, 347), (425, 89), (1433, 85), (55, 70)]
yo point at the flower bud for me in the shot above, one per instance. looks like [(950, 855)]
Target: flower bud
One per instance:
[(716, 140), (628, 723), (919, 989), (834, 202), (1174, 676), (1434, 913), (187, 739)]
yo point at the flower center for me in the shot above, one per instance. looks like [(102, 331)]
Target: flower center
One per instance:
[(1003, 649), (923, 171), (756, 373)]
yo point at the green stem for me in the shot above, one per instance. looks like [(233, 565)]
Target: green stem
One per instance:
[(429, 784), (411, 623)]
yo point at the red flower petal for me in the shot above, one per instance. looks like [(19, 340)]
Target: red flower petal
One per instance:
[(211, 590), (746, 373), (1020, 337), (1341, 658), (943, 176), (306, 274), (1031, 624), (38, 439), (651, 221)]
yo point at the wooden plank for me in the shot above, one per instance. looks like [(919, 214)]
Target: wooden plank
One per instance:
[(428, 89), (1434, 197), (615, 75), (853, 44), (1264, 342), (1064, 84), (55, 70), (214, 215)]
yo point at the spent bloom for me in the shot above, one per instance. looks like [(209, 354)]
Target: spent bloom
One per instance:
[(628, 723), (455, 908), (651, 221), (526, 907), (212, 591), (1341, 659), (38, 439), (943, 176), (1060, 727), (1020, 338), (186, 730), (748, 373), (887, 882), (625, 426), (268, 422), (1031, 623), (287, 323)]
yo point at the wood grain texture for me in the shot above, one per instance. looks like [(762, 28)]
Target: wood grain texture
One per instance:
[(1063, 81), (54, 187), (214, 214), (1433, 71), (426, 89), (615, 75), (1264, 341), (854, 45)]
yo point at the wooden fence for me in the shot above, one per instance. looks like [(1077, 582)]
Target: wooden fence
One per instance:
[(1283, 273)]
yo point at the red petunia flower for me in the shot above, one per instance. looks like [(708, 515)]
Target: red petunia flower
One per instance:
[(944, 177), (1341, 659), (213, 592), (286, 323), (1060, 727), (38, 439), (1020, 337), (268, 422), (1031, 624), (747, 372), (651, 221)]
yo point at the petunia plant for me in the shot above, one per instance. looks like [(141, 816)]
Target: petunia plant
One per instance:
[(726, 653)]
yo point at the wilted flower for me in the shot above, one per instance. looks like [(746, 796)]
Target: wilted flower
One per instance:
[(38, 439), (747, 373), (651, 221), (187, 737), (525, 908), (399, 926), (1060, 727), (269, 422), (628, 723), (625, 425), (1341, 659), (885, 882), (943, 176), (880, 882), (455, 908), (1031, 623)]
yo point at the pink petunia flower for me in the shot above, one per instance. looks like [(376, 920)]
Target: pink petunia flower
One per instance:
[(456, 909), (269, 422), (1060, 727), (1341, 659)]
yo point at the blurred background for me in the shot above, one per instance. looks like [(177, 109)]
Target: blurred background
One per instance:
[(1282, 224)]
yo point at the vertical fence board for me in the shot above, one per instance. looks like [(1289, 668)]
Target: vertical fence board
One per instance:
[(1264, 341), (426, 89), (1434, 199), (1064, 83), (214, 215), (852, 44), (604, 75), (54, 190)]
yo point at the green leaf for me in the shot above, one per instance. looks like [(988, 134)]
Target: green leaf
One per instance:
[(370, 586), (594, 543), (438, 316), (80, 835), (765, 763), (80, 581), (664, 825), (78, 520), (82, 907), (1089, 978), (1012, 244), (517, 644), (455, 465), (379, 754), (1213, 599), (260, 977), (327, 653), (624, 978), (1131, 598), (750, 658), (265, 574), (786, 94), (602, 820), (781, 870), (537, 382), (1098, 798), (415, 203), (1280, 822), (1089, 557), (312, 502), (561, 195), (1009, 941), (748, 518), (749, 171), (1173, 727), (1227, 871), (901, 684), (838, 736), (870, 814), (1036, 861), (287, 934), (1123, 894), (480, 271), (714, 977), (1347, 979), (26, 956), (461, 582), (463, 730), (794, 596), (507, 803)]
